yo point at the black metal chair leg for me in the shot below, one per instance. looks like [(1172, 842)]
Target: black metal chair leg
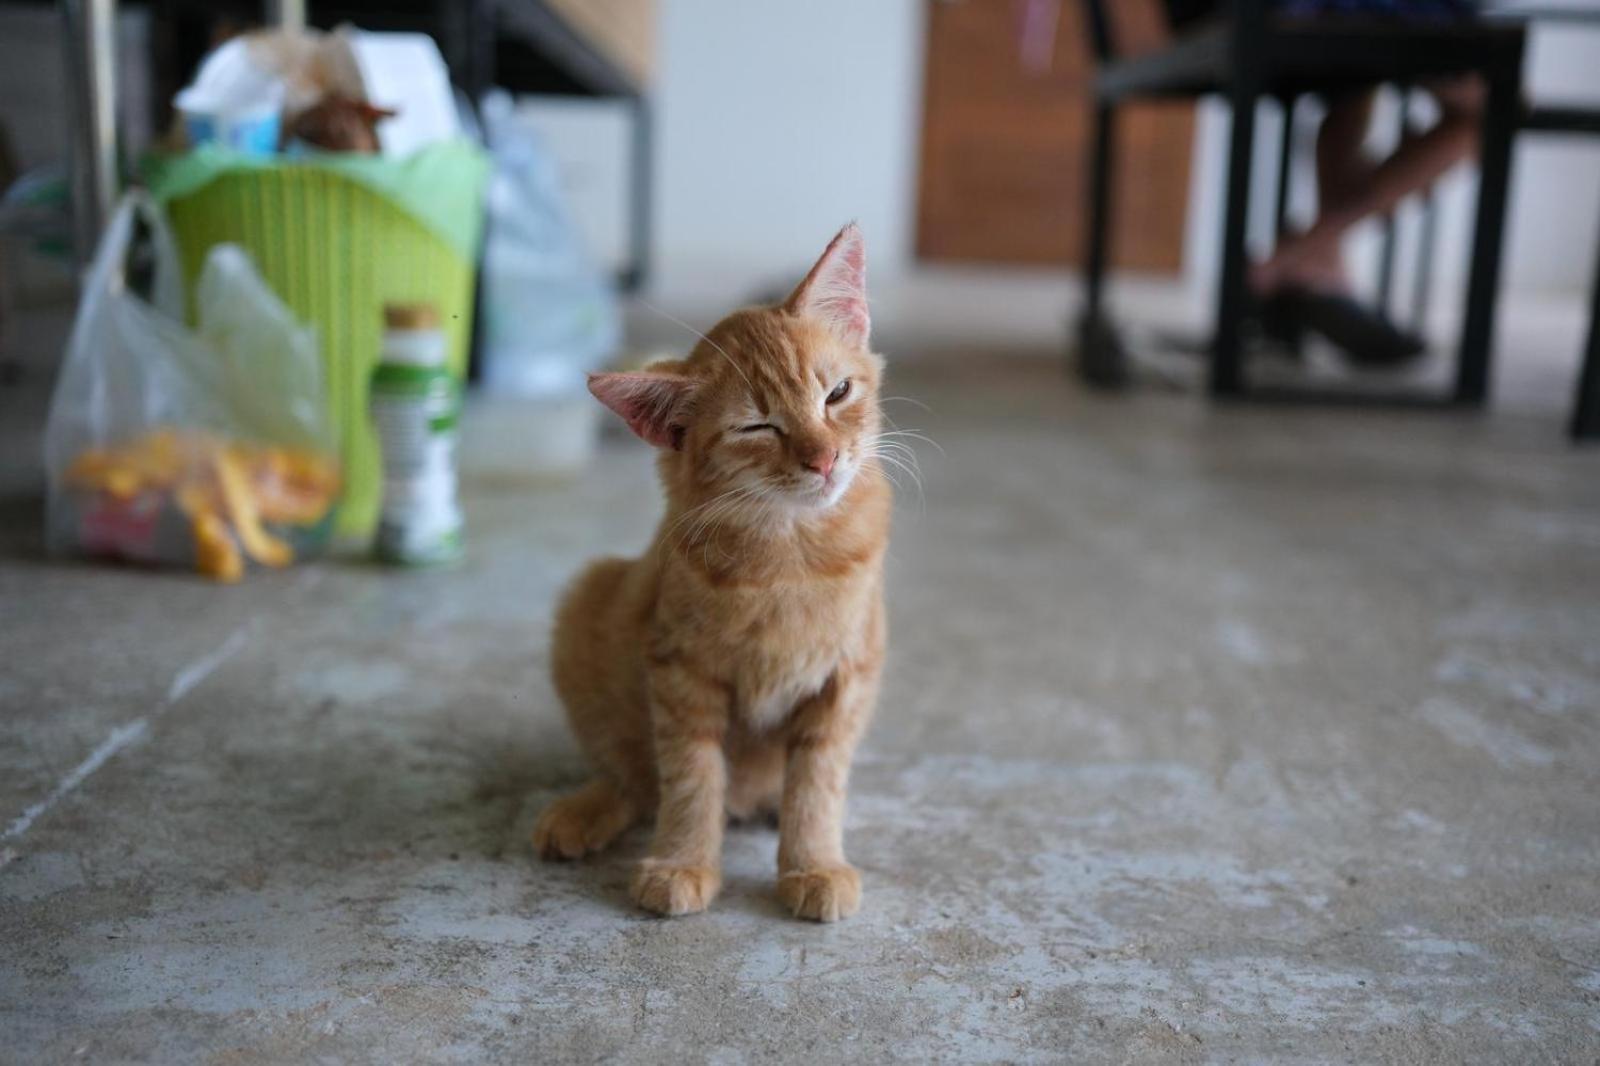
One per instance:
[(1386, 257), (1280, 205), (1101, 359), (1292, 340), (1227, 369), (641, 170), (1099, 209), (1477, 334), (1422, 272), (1391, 227), (1586, 413), (1422, 279)]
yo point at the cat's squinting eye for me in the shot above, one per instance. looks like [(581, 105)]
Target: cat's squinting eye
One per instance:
[(758, 427), (840, 391)]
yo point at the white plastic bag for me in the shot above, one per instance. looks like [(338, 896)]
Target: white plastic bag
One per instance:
[(164, 446), (550, 315), (269, 372)]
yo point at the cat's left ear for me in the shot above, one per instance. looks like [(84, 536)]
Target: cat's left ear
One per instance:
[(836, 289), (652, 402)]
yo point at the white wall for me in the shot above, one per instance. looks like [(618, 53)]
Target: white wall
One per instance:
[(778, 123)]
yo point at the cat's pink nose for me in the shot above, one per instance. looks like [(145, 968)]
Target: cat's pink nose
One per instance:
[(822, 462)]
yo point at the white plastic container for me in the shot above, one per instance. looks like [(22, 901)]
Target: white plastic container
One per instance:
[(234, 102), (253, 130), (522, 439)]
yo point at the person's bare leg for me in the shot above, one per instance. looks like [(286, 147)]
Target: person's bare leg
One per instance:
[(1341, 168), (1342, 165), (1312, 259)]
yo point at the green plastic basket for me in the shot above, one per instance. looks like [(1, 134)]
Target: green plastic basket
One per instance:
[(337, 237)]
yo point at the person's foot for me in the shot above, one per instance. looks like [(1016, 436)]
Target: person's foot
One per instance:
[(1309, 262), (1303, 287)]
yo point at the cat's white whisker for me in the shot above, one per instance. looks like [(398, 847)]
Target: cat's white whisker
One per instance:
[(698, 508), (882, 441), (884, 473), (909, 470), (875, 468), (714, 514), (913, 434), (898, 450), (757, 500), (905, 399), (717, 510), (696, 529), (719, 349)]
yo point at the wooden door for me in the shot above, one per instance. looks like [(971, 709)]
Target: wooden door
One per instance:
[(1007, 117)]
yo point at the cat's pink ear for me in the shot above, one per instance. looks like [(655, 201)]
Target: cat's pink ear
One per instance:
[(836, 289), (652, 403)]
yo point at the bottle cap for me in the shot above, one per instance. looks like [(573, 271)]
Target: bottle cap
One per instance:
[(402, 315)]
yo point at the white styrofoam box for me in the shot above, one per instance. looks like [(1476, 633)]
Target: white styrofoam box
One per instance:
[(405, 72)]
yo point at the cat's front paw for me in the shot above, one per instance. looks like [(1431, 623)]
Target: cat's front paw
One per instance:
[(673, 890), (560, 833), (822, 894)]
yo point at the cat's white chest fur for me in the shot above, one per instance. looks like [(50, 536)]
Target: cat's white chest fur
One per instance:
[(766, 697), (787, 656)]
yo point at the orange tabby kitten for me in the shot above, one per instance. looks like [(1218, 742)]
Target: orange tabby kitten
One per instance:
[(731, 669)]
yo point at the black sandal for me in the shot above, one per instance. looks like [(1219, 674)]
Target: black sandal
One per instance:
[(1365, 336)]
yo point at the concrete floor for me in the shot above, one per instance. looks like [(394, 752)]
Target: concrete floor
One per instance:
[(1222, 735)]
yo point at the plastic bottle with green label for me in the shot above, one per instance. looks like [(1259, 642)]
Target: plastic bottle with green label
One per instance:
[(416, 405)]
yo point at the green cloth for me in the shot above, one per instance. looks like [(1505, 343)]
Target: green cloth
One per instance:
[(413, 184)]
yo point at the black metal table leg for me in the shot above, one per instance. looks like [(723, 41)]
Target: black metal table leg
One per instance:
[(1422, 274), (1390, 222), (1101, 359), (1099, 208), (1280, 204), (1293, 342), (467, 31), (1499, 129), (1386, 257), (1586, 412), (1247, 43), (1227, 357)]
